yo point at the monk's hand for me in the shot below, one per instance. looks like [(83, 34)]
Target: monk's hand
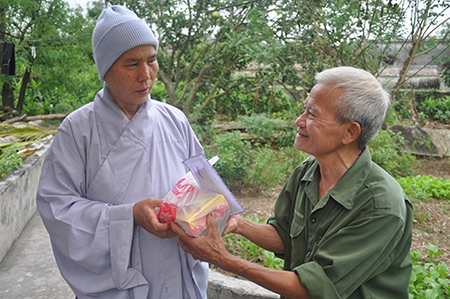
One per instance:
[(145, 216), (209, 248)]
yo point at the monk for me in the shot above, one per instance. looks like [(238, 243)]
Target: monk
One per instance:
[(108, 162)]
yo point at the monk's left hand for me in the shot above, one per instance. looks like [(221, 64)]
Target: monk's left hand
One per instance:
[(209, 248), (144, 213)]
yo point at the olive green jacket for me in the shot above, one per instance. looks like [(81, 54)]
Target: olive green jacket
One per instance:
[(355, 242)]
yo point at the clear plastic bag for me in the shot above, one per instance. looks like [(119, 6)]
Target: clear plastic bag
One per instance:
[(188, 205)]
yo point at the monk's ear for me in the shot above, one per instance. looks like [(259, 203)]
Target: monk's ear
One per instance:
[(353, 130)]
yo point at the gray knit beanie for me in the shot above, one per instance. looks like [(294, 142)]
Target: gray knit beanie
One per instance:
[(118, 30)]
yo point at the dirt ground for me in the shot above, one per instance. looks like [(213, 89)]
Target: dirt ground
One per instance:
[(432, 218)]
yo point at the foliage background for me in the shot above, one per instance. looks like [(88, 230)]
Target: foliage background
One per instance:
[(254, 65), (259, 56)]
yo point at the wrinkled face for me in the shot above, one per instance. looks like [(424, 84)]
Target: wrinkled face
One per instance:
[(131, 77), (318, 133)]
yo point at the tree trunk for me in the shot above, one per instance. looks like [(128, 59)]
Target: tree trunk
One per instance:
[(23, 89), (405, 68), (171, 92), (7, 90), (8, 95), (46, 116)]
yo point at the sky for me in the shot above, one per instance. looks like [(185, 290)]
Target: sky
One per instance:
[(83, 3)]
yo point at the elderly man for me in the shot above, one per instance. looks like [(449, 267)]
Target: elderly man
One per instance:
[(108, 162), (342, 224)]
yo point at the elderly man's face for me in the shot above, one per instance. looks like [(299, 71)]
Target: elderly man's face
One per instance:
[(131, 77), (318, 133)]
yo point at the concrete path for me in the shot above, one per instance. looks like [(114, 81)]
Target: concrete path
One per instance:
[(29, 269)]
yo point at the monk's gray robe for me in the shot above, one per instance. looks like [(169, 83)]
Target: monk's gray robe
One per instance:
[(99, 165)]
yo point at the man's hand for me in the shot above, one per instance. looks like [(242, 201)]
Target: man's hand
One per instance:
[(232, 225), (145, 216), (209, 248)]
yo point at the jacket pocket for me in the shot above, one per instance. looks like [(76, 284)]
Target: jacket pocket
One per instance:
[(297, 225)]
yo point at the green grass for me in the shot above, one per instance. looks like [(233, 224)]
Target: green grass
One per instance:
[(430, 278), (10, 159)]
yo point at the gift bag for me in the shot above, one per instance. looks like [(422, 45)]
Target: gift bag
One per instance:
[(197, 194), (208, 179), (188, 205)]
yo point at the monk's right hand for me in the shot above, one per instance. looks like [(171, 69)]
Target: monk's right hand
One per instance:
[(145, 216)]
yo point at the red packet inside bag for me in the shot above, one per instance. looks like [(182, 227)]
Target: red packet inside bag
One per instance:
[(188, 205)]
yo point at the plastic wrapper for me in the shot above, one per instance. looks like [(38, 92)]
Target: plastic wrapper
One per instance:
[(188, 205)]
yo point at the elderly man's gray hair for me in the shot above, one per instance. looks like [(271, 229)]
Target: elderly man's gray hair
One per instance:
[(363, 100)]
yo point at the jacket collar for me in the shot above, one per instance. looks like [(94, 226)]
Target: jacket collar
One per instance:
[(351, 182)]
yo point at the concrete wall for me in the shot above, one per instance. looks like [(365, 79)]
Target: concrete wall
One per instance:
[(225, 287), (17, 197)]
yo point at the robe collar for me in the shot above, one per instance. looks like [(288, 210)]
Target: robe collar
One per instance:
[(114, 123)]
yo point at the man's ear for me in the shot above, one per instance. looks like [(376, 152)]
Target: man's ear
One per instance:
[(353, 132)]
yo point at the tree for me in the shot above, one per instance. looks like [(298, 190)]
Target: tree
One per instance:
[(7, 90), (199, 53), (315, 34), (233, 63), (287, 41), (319, 34), (424, 22), (48, 38)]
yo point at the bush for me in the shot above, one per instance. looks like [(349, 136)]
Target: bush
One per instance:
[(430, 279), (246, 249), (59, 100), (235, 156), (271, 168), (400, 106), (387, 150), (252, 97), (265, 170), (437, 109), (267, 130), (423, 188), (236, 103), (259, 168), (10, 159), (159, 92)]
